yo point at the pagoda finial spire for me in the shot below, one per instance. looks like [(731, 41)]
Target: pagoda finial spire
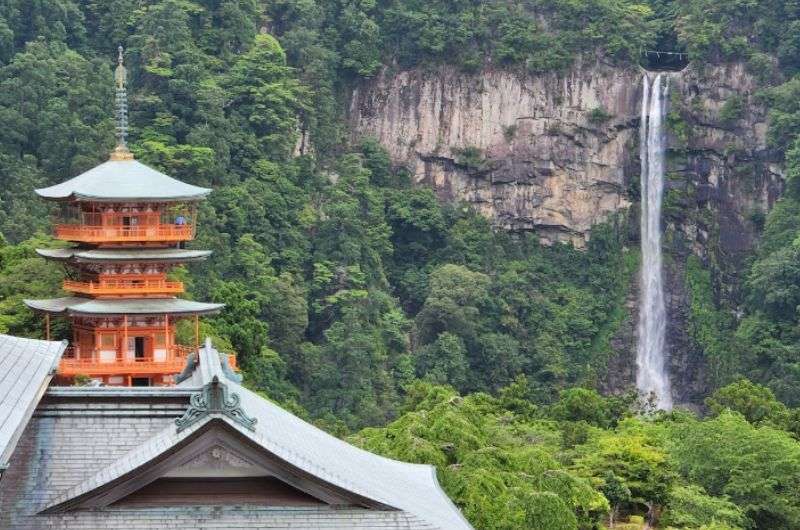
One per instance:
[(121, 152)]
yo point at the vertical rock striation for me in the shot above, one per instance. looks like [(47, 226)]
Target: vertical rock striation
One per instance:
[(546, 153)]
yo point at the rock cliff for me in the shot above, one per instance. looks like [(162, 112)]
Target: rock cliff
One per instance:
[(549, 152), (558, 153)]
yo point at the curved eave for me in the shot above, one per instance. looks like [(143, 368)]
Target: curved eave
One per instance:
[(122, 255), (58, 254), (93, 198), (123, 181), (77, 306), (53, 305)]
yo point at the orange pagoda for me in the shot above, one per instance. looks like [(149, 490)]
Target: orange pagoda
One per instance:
[(128, 224)]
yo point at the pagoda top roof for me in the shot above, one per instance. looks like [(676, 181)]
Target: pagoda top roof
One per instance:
[(123, 254), (79, 306), (121, 181)]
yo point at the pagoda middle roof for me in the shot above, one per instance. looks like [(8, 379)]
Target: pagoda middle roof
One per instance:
[(80, 306), (123, 254), (123, 180)]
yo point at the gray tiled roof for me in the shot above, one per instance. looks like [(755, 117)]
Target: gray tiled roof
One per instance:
[(75, 305), (26, 367), (92, 439), (411, 488), (123, 180), (123, 254)]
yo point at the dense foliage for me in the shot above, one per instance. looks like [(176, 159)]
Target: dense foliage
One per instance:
[(585, 459), (342, 282), (358, 299)]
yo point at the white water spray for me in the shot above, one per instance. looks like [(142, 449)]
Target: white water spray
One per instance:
[(652, 378)]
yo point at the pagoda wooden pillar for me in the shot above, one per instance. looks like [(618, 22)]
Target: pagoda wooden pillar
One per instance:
[(124, 347)]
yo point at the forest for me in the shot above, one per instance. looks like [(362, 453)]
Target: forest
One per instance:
[(408, 325)]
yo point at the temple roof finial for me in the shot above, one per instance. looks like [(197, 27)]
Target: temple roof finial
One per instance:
[(121, 152)]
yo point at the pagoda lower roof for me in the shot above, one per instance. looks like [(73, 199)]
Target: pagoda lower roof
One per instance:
[(80, 306), (123, 254), (123, 180)]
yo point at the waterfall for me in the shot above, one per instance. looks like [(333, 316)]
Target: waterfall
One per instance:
[(652, 378)]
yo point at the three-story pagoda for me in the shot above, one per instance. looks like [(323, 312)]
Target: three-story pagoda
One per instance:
[(128, 224)]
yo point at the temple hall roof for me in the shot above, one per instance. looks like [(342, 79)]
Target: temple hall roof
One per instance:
[(89, 452), (26, 367), (79, 306), (123, 254), (123, 180)]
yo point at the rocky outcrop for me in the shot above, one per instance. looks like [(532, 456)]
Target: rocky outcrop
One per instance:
[(721, 174), (722, 178), (558, 153), (549, 153)]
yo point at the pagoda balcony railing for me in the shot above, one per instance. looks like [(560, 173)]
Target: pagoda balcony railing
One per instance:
[(71, 366), (184, 351), (121, 234), (124, 287)]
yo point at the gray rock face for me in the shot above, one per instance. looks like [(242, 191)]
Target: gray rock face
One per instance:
[(721, 170), (547, 152), (558, 153)]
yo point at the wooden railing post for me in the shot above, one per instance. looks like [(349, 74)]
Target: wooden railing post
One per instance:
[(124, 337), (167, 349)]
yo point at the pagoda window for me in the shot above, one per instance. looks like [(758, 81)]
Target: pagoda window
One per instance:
[(140, 348), (108, 341), (69, 213), (86, 344)]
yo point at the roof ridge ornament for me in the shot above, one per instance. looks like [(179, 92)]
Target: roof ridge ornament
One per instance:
[(214, 398), (121, 151)]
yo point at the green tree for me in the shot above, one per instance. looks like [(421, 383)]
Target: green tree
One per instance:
[(617, 493), (500, 469), (453, 303), (25, 275), (444, 361), (755, 402), (758, 468), (691, 507), (635, 462), (582, 404), (264, 97)]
